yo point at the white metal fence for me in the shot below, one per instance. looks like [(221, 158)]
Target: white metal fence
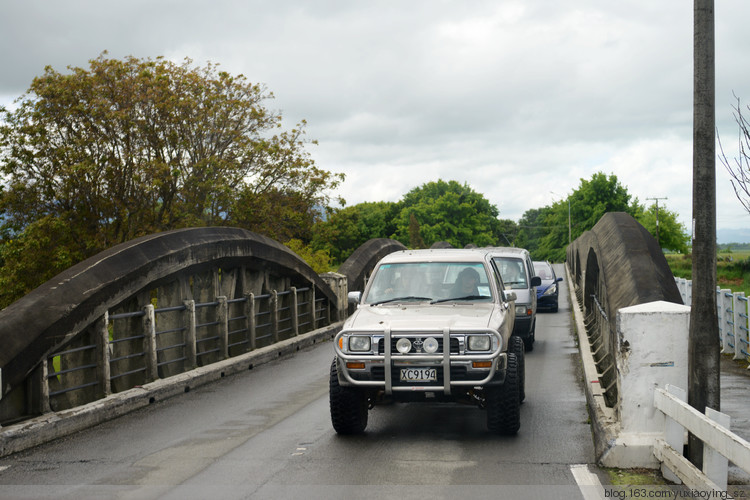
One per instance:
[(732, 310)]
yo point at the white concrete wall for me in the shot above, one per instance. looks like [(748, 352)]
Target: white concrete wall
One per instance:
[(652, 351)]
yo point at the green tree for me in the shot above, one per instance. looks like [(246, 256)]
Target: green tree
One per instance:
[(531, 230), (448, 211), (131, 147), (319, 260), (508, 232), (672, 234), (347, 228), (415, 237), (592, 199)]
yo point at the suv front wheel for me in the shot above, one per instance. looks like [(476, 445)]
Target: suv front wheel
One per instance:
[(503, 403), (348, 405)]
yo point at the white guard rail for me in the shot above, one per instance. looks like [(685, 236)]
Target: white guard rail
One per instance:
[(719, 444)]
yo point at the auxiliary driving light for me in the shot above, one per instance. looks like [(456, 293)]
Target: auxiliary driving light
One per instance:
[(403, 345), (430, 345)]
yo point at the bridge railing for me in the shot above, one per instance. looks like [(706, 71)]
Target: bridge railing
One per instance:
[(597, 327), (733, 311), (128, 348)]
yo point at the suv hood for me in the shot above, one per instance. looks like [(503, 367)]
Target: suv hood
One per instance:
[(436, 316)]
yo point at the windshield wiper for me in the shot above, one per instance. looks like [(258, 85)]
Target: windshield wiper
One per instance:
[(410, 297), (468, 297)]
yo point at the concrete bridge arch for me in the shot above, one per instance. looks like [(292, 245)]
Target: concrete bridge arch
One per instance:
[(196, 264), (616, 264)]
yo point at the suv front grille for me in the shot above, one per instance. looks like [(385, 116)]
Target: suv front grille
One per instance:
[(454, 349)]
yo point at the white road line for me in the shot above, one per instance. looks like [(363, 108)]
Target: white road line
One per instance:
[(588, 482), (4, 467)]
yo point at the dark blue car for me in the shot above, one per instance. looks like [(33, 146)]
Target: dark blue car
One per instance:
[(546, 294)]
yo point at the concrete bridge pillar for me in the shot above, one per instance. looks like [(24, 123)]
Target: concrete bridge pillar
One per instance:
[(651, 351), (338, 284)]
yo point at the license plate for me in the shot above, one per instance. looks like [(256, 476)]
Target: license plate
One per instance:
[(418, 375)]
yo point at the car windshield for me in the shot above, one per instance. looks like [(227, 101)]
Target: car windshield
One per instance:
[(429, 281), (512, 272), (544, 271)]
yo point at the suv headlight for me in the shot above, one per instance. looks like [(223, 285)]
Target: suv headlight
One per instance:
[(479, 342), (551, 290), (359, 343)]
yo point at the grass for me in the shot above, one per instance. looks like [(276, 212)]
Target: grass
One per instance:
[(732, 269), (635, 477)]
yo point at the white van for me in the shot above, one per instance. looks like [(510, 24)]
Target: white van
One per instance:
[(517, 273)]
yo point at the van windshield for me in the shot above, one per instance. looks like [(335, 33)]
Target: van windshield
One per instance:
[(512, 272), (429, 281)]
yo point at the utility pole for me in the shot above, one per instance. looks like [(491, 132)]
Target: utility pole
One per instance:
[(570, 228), (570, 232), (703, 338), (657, 218)]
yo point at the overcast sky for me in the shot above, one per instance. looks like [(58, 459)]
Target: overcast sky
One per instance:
[(519, 99)]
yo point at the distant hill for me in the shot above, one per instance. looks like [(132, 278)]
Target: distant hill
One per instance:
[(733, 236)]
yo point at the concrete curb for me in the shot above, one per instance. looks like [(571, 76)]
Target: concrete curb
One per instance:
[(51, 426)]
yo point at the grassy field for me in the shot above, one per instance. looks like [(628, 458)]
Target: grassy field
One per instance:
[(732, 269)]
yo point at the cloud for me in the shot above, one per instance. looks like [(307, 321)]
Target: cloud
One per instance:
[(515, 98)]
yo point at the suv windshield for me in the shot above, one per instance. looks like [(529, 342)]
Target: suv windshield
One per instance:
[(429, 281)]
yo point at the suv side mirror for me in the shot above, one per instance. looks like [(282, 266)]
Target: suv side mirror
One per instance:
[(536, 281), (559, 279), (511, 296), (354, 297)]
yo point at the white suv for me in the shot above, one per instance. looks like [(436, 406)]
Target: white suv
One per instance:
[(431, 325)]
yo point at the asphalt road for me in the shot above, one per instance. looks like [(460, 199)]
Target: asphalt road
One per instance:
[(267, 434)]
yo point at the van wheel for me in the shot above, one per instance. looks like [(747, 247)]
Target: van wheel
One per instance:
[(518, 348), (529, 342), (348, 405)]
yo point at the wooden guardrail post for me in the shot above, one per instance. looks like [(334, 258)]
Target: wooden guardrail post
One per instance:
[(674, 433), (716, 465)]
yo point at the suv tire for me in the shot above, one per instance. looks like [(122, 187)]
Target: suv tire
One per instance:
[(503, 402), (348, 406)]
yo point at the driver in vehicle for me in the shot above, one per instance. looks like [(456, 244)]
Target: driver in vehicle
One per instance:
[(466, 283), (514, 275)]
